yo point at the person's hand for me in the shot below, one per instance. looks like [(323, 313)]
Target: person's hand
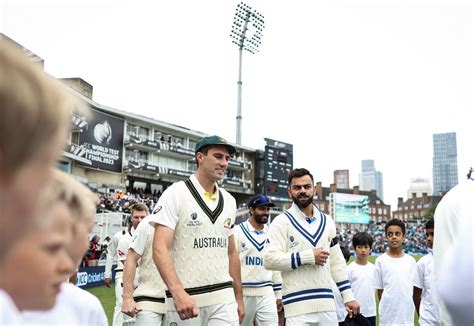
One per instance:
[(353, 308), (279, 304), (320, 256), (240, 310), (185, 305), (108, 281), (129, 307)]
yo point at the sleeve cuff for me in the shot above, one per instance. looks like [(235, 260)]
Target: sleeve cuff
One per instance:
[(347, 296), (307, 257), (278, 294)]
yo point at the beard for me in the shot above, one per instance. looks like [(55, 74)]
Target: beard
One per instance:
[(260, 219), (302, 201)]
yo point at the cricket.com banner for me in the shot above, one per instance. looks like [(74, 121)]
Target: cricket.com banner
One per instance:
[(102, 142)]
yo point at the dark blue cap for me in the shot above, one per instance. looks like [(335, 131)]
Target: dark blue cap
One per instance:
[(260, 200)]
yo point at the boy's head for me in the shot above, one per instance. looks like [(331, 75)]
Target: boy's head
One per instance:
[(346, 253), (44, 249), (395, 233), (80, 202), (35, 118), (429, 229), (362, 242)]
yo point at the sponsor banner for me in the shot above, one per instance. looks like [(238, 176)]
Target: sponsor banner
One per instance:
[(236, 183), (102, 142), (143, 142), (175, 147), (90, 277), (179, 173), (278, 144), (142, 166), (242, 165)]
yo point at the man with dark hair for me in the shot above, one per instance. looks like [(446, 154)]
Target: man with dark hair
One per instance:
[(260, 286), (304, 247), (193, 245), (361, 275)]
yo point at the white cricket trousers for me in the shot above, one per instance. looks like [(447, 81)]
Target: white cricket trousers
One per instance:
[(145, 318), (215, 315), (263, 309), (327, 318), (118, 316)]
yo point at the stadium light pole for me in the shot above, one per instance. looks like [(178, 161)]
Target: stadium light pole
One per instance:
[(247, 31)]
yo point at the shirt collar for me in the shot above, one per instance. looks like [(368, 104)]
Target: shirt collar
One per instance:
[(202, 191), (302, 215), (252, 229)]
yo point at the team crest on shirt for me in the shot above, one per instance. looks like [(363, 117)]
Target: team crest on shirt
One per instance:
[(243, 247), (194, 220), (227, 223), (293, 242)]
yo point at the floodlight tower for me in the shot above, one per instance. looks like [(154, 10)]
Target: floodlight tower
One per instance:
[(247, 31)]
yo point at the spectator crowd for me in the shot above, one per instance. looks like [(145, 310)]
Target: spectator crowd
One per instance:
[(415, 242)]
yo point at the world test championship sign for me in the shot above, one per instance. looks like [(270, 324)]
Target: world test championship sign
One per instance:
[(103, 142)]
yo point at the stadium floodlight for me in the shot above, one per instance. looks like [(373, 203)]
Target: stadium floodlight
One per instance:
[(247, 31)]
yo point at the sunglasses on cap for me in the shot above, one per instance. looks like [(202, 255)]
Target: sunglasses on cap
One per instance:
[(260, 200)]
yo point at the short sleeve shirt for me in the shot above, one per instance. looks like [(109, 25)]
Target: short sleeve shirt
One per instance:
[(361, 277), (424, 279)]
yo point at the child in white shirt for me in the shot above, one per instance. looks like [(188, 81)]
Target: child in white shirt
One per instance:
[(424, 292), (393, 277), (361, 274)]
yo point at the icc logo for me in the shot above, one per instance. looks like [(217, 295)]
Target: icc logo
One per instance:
[(81, 279), (194, 216), (103, 132), (292, 239)]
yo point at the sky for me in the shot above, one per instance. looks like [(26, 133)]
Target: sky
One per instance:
[(342, 81)]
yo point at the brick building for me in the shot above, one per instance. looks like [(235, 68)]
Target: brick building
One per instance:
[(415, 207)]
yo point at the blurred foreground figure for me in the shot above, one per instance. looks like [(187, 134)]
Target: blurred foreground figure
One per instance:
[(35, 113), (452, 253), (59, 238)]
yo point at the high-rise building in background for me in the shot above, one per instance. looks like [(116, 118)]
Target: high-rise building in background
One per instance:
[(419, 186), (341, 179), (370, 179), (445, 162)]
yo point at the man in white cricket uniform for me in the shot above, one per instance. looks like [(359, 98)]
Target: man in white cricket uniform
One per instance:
[(261, 287), (138, 213), (303, 246), (193, 246), (128, 234), (147, 302)]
